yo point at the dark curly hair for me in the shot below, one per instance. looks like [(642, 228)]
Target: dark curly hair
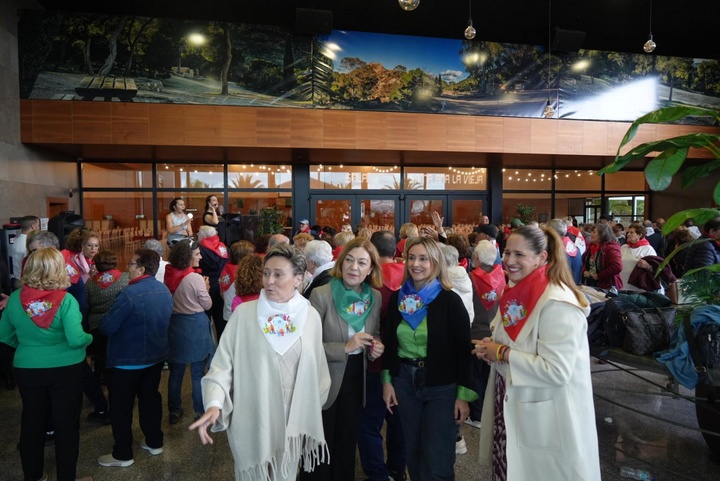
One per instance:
[(105, 260), (181, 254), (240, 250)]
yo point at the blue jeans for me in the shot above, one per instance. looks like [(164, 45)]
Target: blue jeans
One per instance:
[(175, 380), (370, 440), (428, 423)]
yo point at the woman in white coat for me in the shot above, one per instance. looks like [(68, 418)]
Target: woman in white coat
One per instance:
[(539, 397)]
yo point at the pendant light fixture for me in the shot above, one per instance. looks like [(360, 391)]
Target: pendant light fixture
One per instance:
[(549, 111), (650, 45), (470, 31), (408, 5)]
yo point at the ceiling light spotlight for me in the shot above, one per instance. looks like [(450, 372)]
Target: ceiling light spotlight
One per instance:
[(649, 46), (408, 5), (470, 31)]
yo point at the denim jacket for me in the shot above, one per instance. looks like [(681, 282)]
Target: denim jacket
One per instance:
[(137, 324)]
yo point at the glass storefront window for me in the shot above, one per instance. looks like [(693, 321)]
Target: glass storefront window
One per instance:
[(625, 181), (122, 209), (378, 214), (513, 203), (332, 212), (527, 179), (466, 215), (190, 176), (445, 178), (120, 175), (259, 176), (354, 177), (577, 180), (626, 208), (421, 211), (583, 207)]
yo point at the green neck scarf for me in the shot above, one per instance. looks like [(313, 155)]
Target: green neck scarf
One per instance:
[(353, 307)]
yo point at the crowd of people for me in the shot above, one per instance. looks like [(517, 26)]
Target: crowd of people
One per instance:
[(324, 338)]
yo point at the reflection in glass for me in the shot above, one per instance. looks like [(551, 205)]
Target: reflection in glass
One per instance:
[(122, 175), (354, 177), (190, 176), (378, 214), (421, 211), (252, 176), (466, 215), (334, 213)]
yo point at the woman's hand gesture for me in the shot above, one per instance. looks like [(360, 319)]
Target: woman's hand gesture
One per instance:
[(389, 397), (205, 421), (358, 341)]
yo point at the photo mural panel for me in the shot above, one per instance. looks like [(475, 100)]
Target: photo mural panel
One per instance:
[(138, 59)]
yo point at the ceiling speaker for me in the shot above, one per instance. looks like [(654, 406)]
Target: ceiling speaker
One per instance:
[(567, 40), (313, 22)]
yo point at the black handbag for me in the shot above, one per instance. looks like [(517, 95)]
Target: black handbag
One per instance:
[(647, 330)]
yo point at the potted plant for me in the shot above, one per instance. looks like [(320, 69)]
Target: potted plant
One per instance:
[(270, 220)]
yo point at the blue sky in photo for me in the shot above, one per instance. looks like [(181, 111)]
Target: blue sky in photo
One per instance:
[(432, 55)]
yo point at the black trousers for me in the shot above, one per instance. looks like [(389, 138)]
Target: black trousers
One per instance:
[(46, 392), (216, 311), (340, 423), (124, 386), (478, 383)]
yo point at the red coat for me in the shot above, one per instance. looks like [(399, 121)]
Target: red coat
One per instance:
[(609, 260)]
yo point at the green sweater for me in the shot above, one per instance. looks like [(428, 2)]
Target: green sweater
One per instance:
[(62, 344)]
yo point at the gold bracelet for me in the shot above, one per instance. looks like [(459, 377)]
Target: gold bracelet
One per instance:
[(498, 353)]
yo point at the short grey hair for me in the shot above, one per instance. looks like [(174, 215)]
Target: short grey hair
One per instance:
[(276, 239), (44, 238), (155, 246), (451, 254), (291, 253), (318, 252), (559, 226), (486, 253), (206, 231)]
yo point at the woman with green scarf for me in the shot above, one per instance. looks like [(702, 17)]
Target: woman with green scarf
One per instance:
[(349, 307)]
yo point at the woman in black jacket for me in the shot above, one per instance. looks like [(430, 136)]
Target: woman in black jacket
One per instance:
[(427, 361)]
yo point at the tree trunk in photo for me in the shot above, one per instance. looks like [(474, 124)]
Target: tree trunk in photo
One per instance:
[(226, 67), (288, 65), (671, 77), (134, 44), (110, 60), (86, 55)]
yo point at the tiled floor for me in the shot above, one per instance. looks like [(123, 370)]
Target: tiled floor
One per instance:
[(659, 434)]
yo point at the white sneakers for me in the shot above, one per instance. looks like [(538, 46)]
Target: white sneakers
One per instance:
[(109, 461), (460, 446), (153, 451)]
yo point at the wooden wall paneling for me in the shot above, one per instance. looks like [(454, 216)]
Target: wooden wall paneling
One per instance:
[(569, 137), (26, 121), (52, 122), (489, 134), (645, 133), (130, 123), (167, 125), (595, 138), (306, 128), (371, 130), (543, 137), (616, 132), (339, 129), (92, 122), (433, 132), (190, 153), (238, 126), (460, 133), (202, 125), (517, 134), (273, 128), (402, 131)]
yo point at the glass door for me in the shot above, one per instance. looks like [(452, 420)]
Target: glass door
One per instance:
[(419, 209), (373, 212), (466, 213)]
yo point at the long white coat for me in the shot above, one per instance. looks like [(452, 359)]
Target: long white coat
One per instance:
[(549, 411)]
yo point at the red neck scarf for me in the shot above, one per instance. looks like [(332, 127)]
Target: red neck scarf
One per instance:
[(138, 279), (70, 266), (392, 273), (594, 248), (641, 242), (173, 277), (336, 252), (489, 286), (41, 306), (518, 301), (107, 278), (570, 247), (463, 263), (227, 276), (213, 243), (249, 297)]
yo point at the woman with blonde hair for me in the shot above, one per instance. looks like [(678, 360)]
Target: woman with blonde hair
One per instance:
[(44, 324), (349, 306), (427, 366), (539, 398), (407, 231)]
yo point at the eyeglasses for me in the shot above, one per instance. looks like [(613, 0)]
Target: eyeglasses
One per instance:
[(132, 264)]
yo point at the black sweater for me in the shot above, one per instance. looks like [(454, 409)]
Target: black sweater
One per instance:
[(448, 349)]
